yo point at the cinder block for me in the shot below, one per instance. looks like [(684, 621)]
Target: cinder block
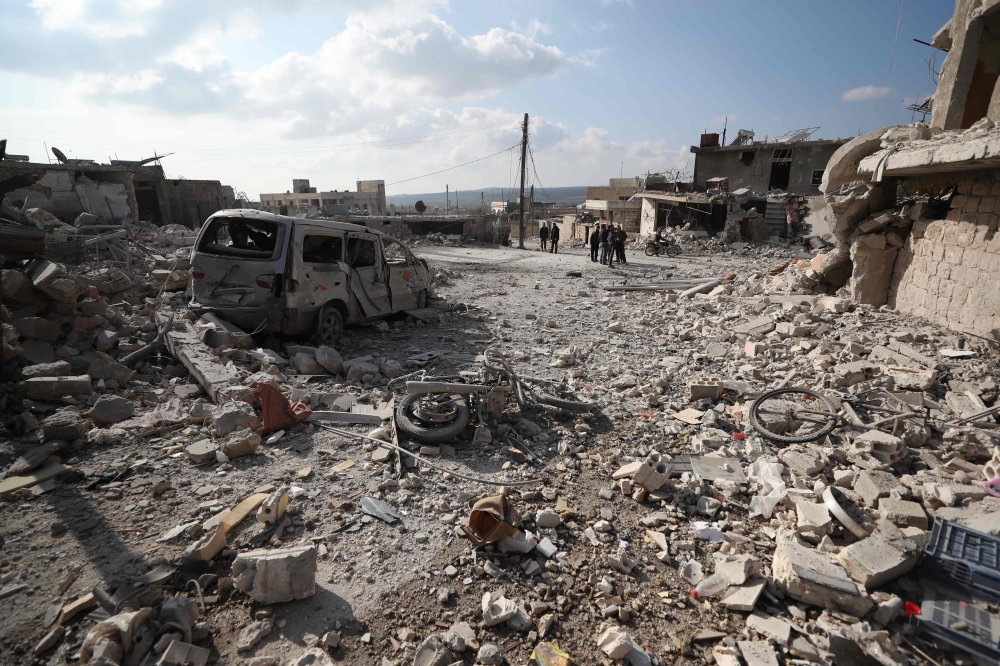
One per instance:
[(273, 576)]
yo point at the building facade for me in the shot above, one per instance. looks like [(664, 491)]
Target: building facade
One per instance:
[(794, 167), (368, 199)]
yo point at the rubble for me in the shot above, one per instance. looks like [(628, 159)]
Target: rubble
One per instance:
[(271, 576)]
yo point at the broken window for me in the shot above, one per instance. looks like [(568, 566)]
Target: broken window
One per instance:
[(395, 253), (817, 178), (241, 237), (322, 249), (360, 252), (746, 156), (782, 155)]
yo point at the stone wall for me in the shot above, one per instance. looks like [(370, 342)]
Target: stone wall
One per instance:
[(947, 271)]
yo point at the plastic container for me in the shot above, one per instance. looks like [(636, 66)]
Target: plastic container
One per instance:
[(981, 635), (711, 586), (966, 556)]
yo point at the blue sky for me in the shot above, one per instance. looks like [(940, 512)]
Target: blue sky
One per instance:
[(263, 91)]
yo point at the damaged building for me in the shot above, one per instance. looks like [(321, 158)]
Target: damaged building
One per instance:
[(792, 162), (915, 208), (113, 191)]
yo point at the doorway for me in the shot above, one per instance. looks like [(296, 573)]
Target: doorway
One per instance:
[(781, 169)]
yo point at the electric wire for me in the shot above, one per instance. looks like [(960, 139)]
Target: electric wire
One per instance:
[(459, 166)]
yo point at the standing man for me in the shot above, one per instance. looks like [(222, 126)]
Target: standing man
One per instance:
[(620, 238), (595, 242), (543, 233), (605, 247), (554, 239)]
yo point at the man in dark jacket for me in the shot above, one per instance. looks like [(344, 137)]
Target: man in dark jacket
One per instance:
[(554, 239), (543, 233), (620, 238), (604, 240), (595, 242)]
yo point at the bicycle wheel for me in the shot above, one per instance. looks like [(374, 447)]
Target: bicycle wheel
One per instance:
[(793, 415)]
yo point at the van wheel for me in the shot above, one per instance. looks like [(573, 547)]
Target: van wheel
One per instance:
[(422, 299), (331, 325)]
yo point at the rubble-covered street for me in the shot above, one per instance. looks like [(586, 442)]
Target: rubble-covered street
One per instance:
[(153, 496), (744, 413)]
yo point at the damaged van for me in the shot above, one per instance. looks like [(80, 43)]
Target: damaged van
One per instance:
[(270, 273)]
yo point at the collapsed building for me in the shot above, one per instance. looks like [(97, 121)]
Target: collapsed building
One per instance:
[(914, 209), (115, 191), (369, 199)]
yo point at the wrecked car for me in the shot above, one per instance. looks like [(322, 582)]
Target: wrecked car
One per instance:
[(270, 273)]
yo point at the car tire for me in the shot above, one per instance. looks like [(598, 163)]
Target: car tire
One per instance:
[(422, 299), (330, 326)]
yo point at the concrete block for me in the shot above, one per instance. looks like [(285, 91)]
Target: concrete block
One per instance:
[(760, 326), (874, 561), (233, 416), (54, 369), (111, 409), (200, 452), (240, 443), (758, 653), (771, 627), (815, 578), (615, 643), (207, 547), (37, 328), (872, 485), (876, 449), (903, 513), (753, 349), (65, 425), (803, 461), (54, 388), (743, 597), (813, 518), (272, 576), (273, 507)]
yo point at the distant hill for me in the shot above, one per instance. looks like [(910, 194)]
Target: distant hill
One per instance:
[(569, 196)]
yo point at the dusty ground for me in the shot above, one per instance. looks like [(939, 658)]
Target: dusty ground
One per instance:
[(377, 580)]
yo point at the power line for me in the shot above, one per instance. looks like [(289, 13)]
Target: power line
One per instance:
[(535, 171), (434, 173), (385, 143)]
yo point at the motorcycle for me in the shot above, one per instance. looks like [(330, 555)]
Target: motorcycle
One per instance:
[(667, 246)]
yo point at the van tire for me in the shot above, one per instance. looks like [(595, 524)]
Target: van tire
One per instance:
[(422, 299), (330, 326)]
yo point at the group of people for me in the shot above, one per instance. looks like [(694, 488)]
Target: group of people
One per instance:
[(550, 235), (610, 239)]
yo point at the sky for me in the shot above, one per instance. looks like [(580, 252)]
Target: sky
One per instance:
[(259, 92)]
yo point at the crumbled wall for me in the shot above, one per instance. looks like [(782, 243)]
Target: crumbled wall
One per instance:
[(947, 271)]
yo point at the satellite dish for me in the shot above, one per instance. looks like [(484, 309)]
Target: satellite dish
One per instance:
[(420, 206), (59, 155)]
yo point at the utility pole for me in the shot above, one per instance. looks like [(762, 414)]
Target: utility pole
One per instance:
[(531, 203), (482, 198), (447, 200), (520, 200)]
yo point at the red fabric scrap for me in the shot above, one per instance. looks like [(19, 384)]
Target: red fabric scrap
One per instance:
[(276, 411)]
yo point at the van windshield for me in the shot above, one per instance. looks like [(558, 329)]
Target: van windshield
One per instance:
[(241, 237)]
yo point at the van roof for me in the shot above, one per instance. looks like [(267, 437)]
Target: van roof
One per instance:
[(253, 214)]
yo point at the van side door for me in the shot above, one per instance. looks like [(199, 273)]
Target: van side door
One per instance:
[(318, 274), (368, 276), (404, 284)]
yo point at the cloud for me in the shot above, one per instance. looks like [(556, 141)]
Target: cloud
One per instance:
[(533, 29), (865, 93), (100, 19), (721, 120), (657, 156), (609, 3), (601, 27)]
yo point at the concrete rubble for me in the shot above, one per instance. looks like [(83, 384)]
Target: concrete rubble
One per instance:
[(154, 513)]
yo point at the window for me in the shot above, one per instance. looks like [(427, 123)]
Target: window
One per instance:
[(360, 252), (395, 253), (241, 237), (322, 249), (817, 178), (746, 156), (782, 155)]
